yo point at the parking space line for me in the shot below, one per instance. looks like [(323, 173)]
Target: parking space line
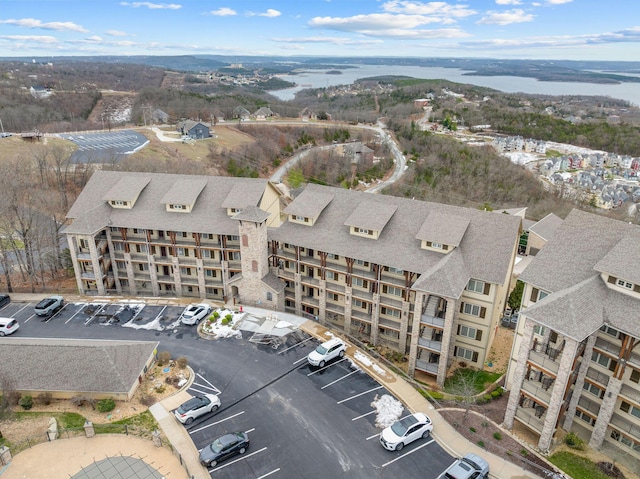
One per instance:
[(86, 323), (373, 437), (30, 317), (250, 430), (77, 313), (268, 473), (300, 360), (216, 423), (211, 386), (407, 453), (56, 313), (244, 456), (160, 313), (295, 345), (340, 379), (363, 415), (23, 308), (358, 395), (327, 366)]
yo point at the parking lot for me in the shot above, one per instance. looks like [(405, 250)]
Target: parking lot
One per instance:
[(105, 146), (302, 421)]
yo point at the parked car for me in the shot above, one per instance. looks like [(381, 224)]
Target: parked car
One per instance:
[(194, 313), (223, 448), (8, 326), (405, 431), (326, 352), (470, 466), (49, 306), (4, 300), (196, 407)]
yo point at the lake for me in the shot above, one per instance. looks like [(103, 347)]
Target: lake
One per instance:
[(510, 84)]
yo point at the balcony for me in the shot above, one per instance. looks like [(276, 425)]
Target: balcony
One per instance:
[(543, 361), (589, 405), (334, 287), (631, 393), (536, 389), (310, 281), (432, 321), (528, 417), (310, 301), (388, 323), (335, 308), (597, 376), (361, 314), (625, 425), (427, 367), (430, 344), (393, 302), (608, 347)]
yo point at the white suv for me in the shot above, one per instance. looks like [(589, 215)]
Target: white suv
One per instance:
[(326, 352)]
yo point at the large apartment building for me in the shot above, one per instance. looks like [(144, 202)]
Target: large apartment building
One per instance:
[(425, 279), (575, 363)]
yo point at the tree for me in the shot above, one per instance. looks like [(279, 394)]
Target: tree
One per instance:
[(464, 387), (515, 297)]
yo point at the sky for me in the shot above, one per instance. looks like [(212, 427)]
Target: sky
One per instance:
[(509, 29)]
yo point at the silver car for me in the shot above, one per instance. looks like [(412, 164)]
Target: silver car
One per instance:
[(195, 407)]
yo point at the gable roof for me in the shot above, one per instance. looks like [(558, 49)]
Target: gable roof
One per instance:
[(184, 191), (444, 229), (371, 214), (128, 188), (309, 203), (76, 365), (546, 227)]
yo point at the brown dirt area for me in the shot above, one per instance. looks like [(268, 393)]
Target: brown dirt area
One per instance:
[(17, 431)]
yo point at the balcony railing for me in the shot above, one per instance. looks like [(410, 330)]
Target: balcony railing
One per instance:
[(388, 323), (625, 425), (604, 345), (630, 392), (597, 376), (334, 307), (535, 389), (427, 367), (432, 321), (589, 405), (544, 361), (527, 416), (430, 344)]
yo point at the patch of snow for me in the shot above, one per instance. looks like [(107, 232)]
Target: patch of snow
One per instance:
[(224, 331), (361, 358), (153, 325), (388, 410), (283, 324)]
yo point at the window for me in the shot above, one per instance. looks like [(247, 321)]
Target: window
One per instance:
[(177, 207), (210, 273), (361, 283), (393, 270), (610, 331), (635, 376), (207, 253), (539, 330), (233, 238), (269, 296), (436, 245), (392, 290), (604, 361), (390, 312), (333, 256), (537, 295), (473, 310), (585, 417), (184, 234), (185, 271), (333, 275), (617, 436), (467, 354), (478, 286), (593, 389), (363, 231), (334, 296), (628, 408), (234, 255), (301, 219), (136, 231), (141, 248), (183, 252), (624, 284), (359, 262), (359, 304), (469, 332)]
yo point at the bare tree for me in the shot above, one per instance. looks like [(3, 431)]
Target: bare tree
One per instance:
[(464, 389)]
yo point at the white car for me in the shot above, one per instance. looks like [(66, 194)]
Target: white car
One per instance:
[(194, 313), (326, 352), (196, 407), (405, 431)]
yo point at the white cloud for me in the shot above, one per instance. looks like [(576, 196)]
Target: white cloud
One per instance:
[(271, 13), (330, 40), (34, 23), (558, 2), (152, 6), (506, 18), (223, 12), (441, 9), (31, 38), (117, 33), (508, 2)]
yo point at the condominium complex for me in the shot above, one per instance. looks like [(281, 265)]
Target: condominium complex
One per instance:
[(425, 279), (575, 362)]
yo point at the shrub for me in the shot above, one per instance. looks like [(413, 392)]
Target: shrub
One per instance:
[(160, 389), (487, 397), (524, 452), (481, 444), (215, 315), (182, 362), (45, 399), (227, 319), (163, 358), (485, 424), (80, 401), (147, 400), (573, 441), (26, 402), (106, 405), (472, 429), (497, 436), (496, 393)]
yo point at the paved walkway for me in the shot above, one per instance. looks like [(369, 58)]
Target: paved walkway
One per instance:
[(73, 454)]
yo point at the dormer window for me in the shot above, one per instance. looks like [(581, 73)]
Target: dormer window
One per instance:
[(363, 231), (624, 284), (119, 204), (177, 207), (301, 219)]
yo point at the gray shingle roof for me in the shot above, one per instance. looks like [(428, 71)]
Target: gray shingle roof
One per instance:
[(622, 260), (448, 277), (184, 191), (275, 283), (91, 213), (547, 226), (127, 188), (309, 203), (486, 247), (77, 365), (248, 195), (252, 213), (444, 229), (371, 213)]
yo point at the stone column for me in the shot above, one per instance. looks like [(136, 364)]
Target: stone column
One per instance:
[(322, 301), (298, 292), (5, 455), (97, 268), (88, 429), (348, 291), (72, 240), (577, 388), (375, 317), (153, 275), (177, 279), (520, 371), (114, 262), (447, 342), (415, 332), (404, 325), (557, 393), (606, 412), (133, 290), (202, 286)]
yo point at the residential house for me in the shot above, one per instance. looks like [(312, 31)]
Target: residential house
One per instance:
[(424, 279), (307, 114), (263, 113), (159, 116), (241, 113), (575, 362), (39, 92), (541, 232), (195, 130)]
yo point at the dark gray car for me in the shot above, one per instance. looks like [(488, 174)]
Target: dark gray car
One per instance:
[(49, 306), (224, 447)]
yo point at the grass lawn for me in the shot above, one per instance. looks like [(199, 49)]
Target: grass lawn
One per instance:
[(480, 379), (577, 466)]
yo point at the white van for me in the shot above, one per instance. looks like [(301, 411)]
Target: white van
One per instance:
[(8, 326)]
